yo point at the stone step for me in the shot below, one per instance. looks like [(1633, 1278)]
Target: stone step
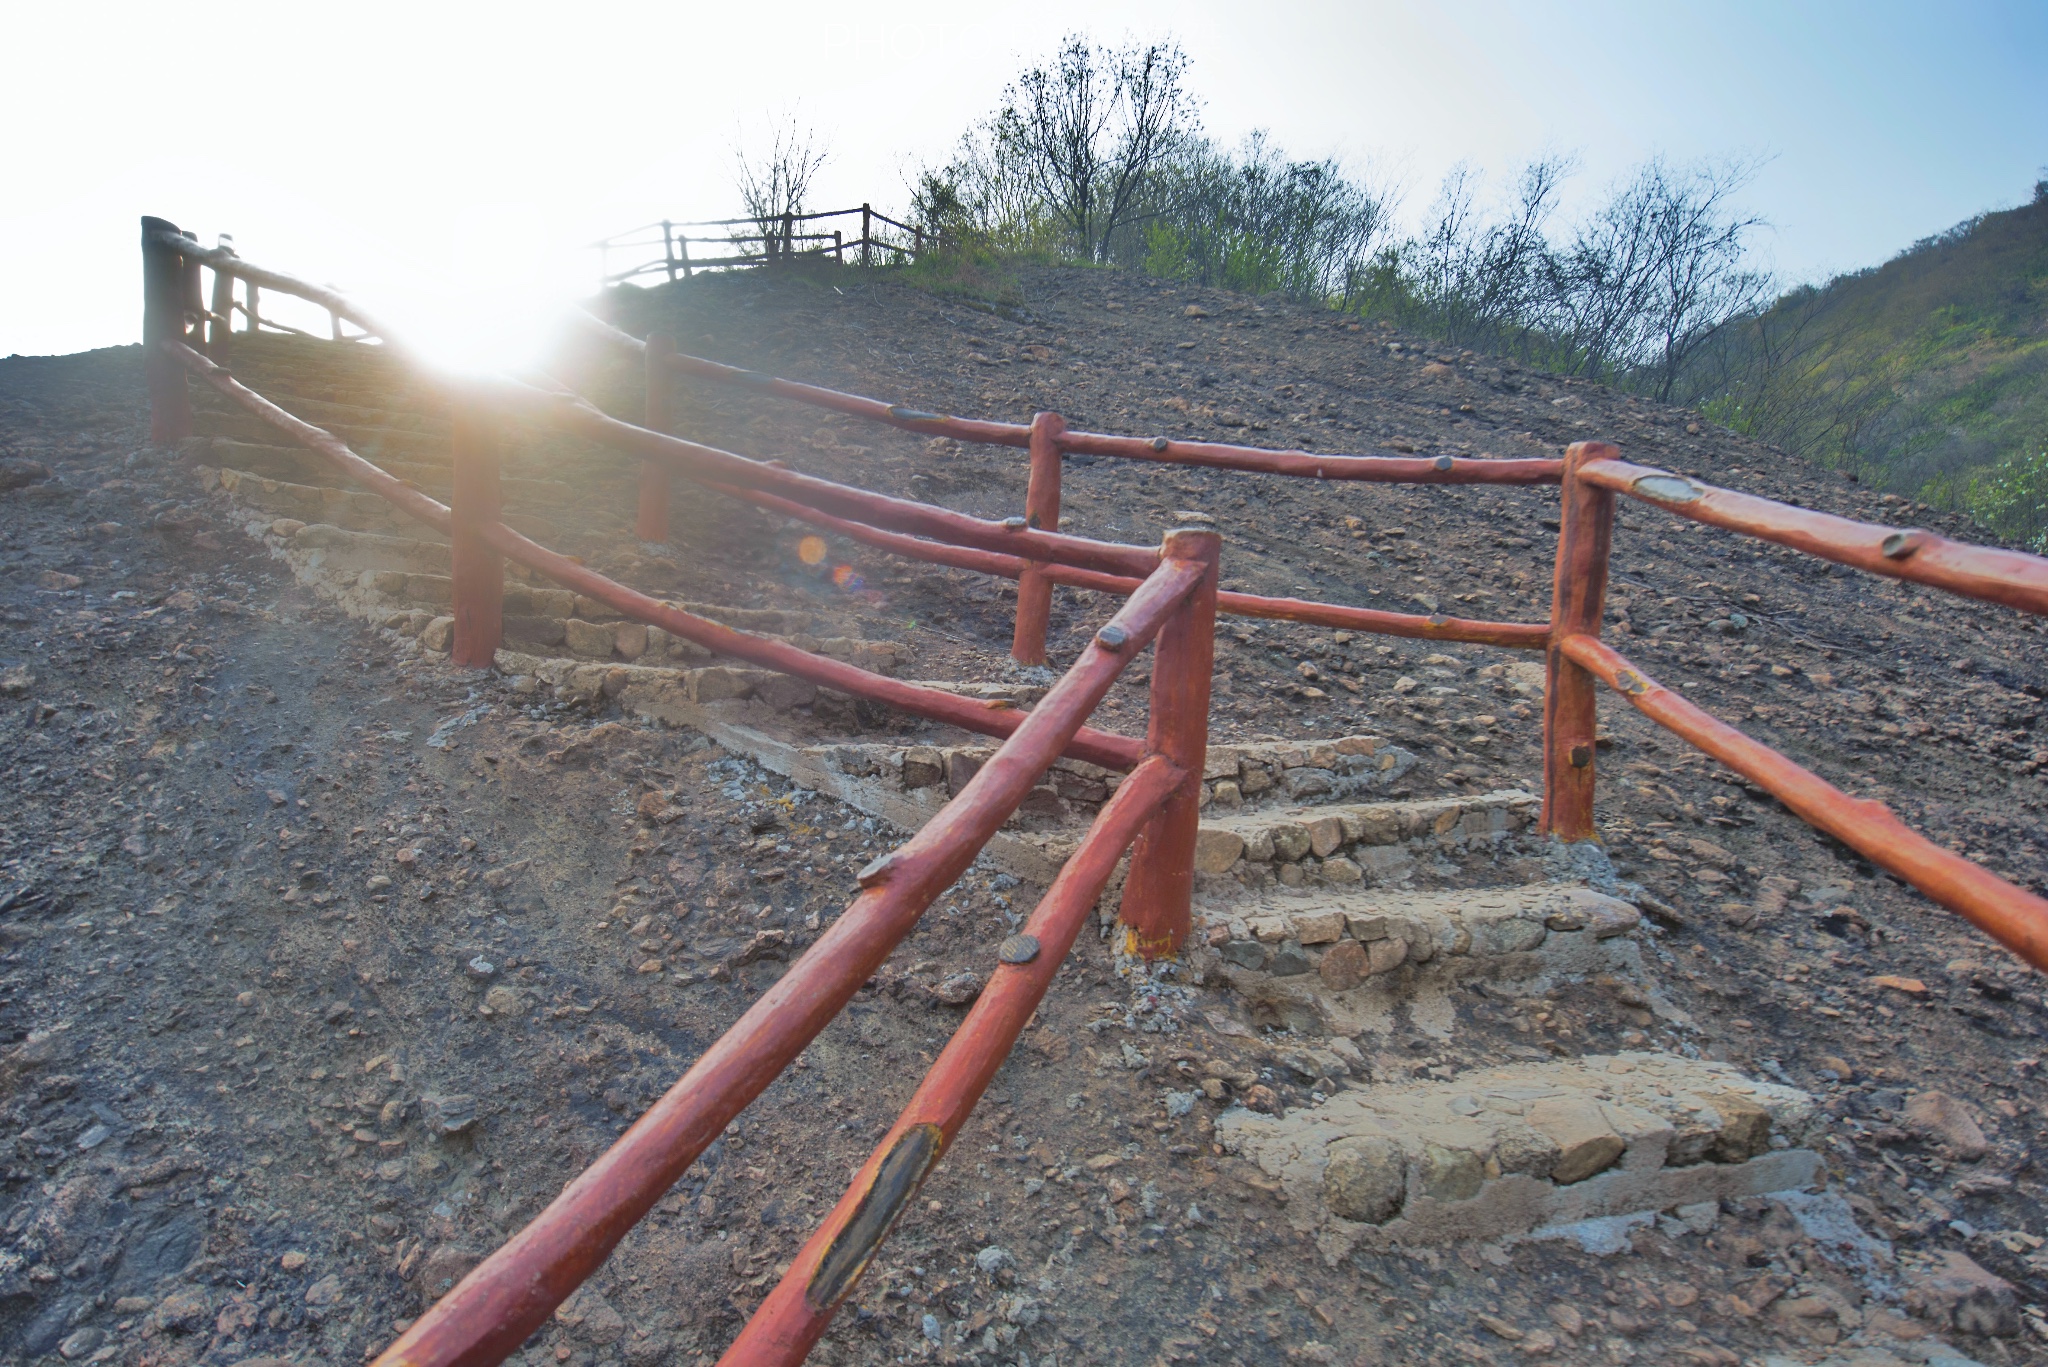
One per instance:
[(390, 390), (627, 642), (1259, 774), (1382, 961), (524, 455), (299, 466), (336, 552), (328, 413), (349, 509), (1527, 1149), (516, 491), (806, 630), (936, 773), (1352, 842), (315, 356), (379, 444), (345, 508), (763, 715), (750, 712), (391, 423), (287, 386), (786, 621)]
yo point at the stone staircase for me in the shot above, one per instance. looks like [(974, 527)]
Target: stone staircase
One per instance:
[(1497, 1154), (1373, 942), (393, 571), (1389, 951)]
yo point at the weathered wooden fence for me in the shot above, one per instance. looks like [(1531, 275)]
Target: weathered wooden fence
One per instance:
[(777, 240)]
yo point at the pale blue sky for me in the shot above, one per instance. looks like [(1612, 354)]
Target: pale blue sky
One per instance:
[(435, 156)]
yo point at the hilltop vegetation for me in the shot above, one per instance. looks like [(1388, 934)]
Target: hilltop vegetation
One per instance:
[(1924, 375), (1098, 156)]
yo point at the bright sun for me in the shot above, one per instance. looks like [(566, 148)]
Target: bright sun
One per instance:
[(476, 329), (464, 319)]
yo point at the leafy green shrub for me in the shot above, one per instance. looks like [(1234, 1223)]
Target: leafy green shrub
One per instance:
[(1256, 222), (2011, 498)]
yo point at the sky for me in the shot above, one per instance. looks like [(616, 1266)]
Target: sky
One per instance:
[(448, 163)]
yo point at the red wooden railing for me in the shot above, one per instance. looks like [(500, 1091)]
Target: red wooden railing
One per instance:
[(1591, 474), (1048, 440), (1170, 599)]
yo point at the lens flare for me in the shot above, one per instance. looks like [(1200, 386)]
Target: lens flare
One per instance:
[(811, 550), (848, 578)]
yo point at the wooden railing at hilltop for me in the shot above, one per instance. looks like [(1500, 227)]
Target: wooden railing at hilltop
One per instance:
[(1169, 599), (776, 240)]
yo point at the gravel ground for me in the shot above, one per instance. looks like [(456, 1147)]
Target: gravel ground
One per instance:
[(323, 962)]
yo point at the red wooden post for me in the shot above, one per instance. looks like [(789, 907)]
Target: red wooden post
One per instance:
[(163, 319), (650, 520), (479, 571), (1578, 593), (1160, 887), (218, 327), (1042, 511)]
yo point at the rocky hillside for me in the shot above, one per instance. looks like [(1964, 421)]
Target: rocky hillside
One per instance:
[(1919, 372), (322, 963)]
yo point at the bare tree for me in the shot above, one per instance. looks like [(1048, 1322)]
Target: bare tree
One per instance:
[(1703, 282), (775, 183), (1089, 130), (1656, 272), (1487, 282)]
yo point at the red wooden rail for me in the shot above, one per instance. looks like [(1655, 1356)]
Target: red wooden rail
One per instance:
[(2014, 917), (1214, 455), (796, 1312), (1592, 475), (2014, 578), (1170, 599), (1578, 592), (1048, 440), (572, 413), (1436, 627), (492, 1310), (1097, 747)]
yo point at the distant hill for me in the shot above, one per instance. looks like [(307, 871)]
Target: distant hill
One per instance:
[(1914, 374)]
